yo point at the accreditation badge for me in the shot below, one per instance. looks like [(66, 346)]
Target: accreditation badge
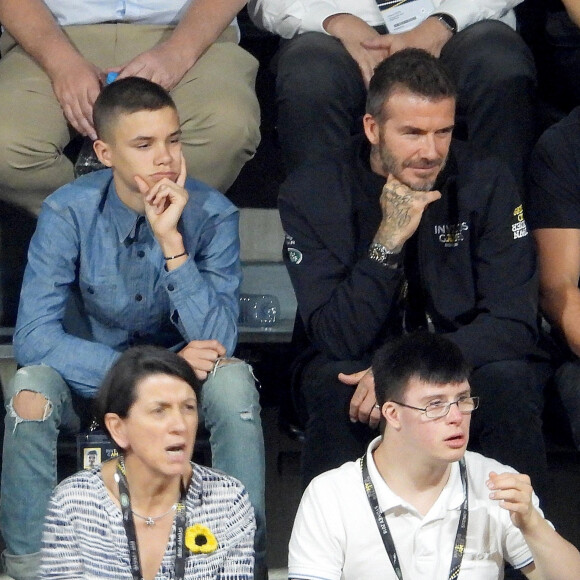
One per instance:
[(94, 447), (403, 15)]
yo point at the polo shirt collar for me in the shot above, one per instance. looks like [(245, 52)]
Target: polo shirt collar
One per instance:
[(124, 219), (389, 501)]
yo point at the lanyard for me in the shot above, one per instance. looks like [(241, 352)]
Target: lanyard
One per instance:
[(386, 532), (129, 524)]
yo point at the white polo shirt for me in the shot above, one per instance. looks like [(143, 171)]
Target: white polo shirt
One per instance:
[(335, 535)]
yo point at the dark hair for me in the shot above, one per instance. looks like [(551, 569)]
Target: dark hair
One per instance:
[(125, 96), (117, 393), (423, 355), (411, 69)]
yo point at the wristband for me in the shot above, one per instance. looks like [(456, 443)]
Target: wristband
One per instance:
[(167, 258), (447, 20)]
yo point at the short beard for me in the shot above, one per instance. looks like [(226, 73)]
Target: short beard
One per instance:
[(390, 165)]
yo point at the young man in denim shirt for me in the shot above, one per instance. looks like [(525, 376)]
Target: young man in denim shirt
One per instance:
[(135, 254)]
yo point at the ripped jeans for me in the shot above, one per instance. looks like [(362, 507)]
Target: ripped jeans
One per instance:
[(229, 406)]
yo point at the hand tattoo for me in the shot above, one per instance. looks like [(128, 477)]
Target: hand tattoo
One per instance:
[(402, 208)]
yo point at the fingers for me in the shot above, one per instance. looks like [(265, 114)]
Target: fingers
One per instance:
[(202, 355), (80, 116), (159, 196), (79, 113), (509, 480), (513, 490), (352, 379), (362, 404), (164, 193), (158, 65), (132, 69), (367, 62), (378, 42), (210, 344), (77, 89), (363, 408), (427, 197), (375, 416), (182, 173)]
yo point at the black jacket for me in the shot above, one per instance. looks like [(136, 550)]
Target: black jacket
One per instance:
[(470, 265)]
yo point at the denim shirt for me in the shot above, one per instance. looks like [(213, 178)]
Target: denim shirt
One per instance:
[(95, 283)]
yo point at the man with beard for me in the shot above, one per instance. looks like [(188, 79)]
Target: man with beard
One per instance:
[(330, 48), (401, 232)]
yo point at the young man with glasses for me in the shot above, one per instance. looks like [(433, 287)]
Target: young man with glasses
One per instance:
[(417, 504)]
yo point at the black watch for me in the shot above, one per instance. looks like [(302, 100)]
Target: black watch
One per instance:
[(447, 20), (388, 258)]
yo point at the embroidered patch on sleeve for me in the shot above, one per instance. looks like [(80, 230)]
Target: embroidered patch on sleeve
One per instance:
[(294, 254), (519, 227)]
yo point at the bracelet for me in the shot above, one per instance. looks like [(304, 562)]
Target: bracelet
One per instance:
[(167, 258)]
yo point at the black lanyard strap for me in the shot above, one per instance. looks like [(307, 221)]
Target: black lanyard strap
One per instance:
[(129, 525), (387, 537), (386, 4)]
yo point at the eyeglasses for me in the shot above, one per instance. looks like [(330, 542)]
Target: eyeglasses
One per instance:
[(466, 405)]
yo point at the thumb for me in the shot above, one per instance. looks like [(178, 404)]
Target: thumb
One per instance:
[(353, 379), (380, 42), (431, 196), (182, 172), (370, 42)]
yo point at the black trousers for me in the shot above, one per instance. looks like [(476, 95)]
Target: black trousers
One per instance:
[(507, 425), (321, 95)]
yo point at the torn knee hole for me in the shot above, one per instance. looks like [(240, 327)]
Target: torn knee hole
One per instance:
[(222, 362), (31, 406)]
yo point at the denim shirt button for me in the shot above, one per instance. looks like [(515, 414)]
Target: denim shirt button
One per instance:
[(170, 287), (90, 290), (138, 297), (140, 253)]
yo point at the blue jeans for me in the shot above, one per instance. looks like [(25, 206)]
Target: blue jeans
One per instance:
[(229, 406)]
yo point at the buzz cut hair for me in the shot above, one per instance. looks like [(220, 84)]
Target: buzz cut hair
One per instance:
[(126, 96)]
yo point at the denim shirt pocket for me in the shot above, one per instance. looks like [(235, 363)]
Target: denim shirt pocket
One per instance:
[(101, 300)]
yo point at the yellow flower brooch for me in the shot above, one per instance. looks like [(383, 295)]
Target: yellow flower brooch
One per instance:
[(200, 540)]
